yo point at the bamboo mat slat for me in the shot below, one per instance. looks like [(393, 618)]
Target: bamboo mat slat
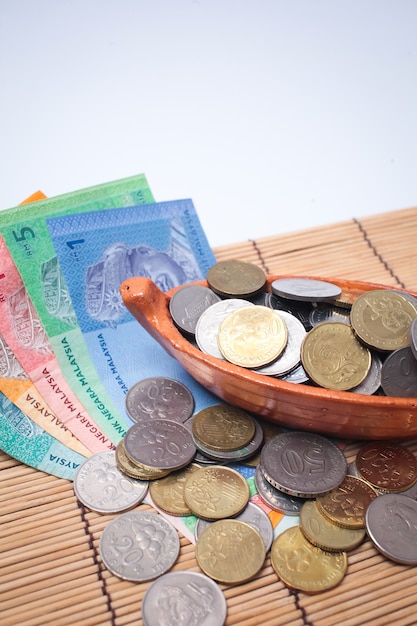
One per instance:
[(50, 566)]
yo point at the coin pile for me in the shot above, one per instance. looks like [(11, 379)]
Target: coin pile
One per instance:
[(302, 330)]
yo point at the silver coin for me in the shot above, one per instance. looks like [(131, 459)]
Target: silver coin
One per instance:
[(184, 597), (291, 356), (305, 289), (207, 327), (252, 515), (298, 375), (399, 374), (188, 303), (303, 464), (391, 523), (159, 397), (412, 336), (328, 313), (139, 546), (229, 456), (160, 444), (300, 310), (103, 487), (372, 381), (276, 499)]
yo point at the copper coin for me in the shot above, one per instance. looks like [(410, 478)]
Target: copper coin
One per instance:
[(387, 466), (234, 278)]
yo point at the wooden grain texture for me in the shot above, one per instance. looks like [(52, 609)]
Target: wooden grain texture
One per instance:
[(51, 572)]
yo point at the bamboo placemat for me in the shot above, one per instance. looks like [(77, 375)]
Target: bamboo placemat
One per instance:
[(50, 568)]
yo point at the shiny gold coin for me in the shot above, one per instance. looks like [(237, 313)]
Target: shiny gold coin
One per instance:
[(302, 566), (234, 278), (381, 319), (133, 469), (223, 427), (230, 551), (216, 492), (252, 337), (168, 493), (324, 534), (346, 505), (333, 358)]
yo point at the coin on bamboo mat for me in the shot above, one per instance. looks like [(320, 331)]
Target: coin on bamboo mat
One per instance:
[(291, 355), (274, 498), (324, 534), (303, 464), (223, 427), (215, 492), (208, 324), (386, 465), (188, 303), (134, 470), (162, 444), (230, 551), (252, 337), (301, 565), (333, 357), (305, 289), (346, 505), (381, 319), (139, 546), (399, 374), (184, 597), (159, 397), (234, 456), (234, 278), (391, 522), (168, 493), (101, 486), (253, 515)]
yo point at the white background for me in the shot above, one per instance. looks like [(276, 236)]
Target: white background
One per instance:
[(271, 115)]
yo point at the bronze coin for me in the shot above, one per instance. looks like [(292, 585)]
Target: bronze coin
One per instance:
[(234, 278), (387, 466)]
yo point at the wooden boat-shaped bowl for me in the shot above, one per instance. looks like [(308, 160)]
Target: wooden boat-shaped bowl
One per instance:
[(303, 407)]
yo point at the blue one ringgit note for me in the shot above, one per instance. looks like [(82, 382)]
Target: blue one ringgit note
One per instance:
[(97, 251)]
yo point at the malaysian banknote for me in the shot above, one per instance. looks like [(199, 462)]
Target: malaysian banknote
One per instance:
[(27, 442), (27, 238), (97, 251), (17, 386)]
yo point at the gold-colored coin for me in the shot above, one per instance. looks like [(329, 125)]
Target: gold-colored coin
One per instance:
[(234, 278), (346, 505), (324, 534), (216, 492), (381, 319), (230, 551), (333, 358), (301, 565), (252, 337), (168, 493), (223, 427), (136, 470)]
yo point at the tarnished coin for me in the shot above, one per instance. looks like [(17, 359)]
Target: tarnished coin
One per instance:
[(399, 374), (216, 492), (223, 427), (346, 505), (234, 278), (230, 551), (391, 522), (162, 444), (412, 337), (333, 357), (381, 319), (168, 493), (301, 565), (191, 597), (252, 515), (101, 486), (303, 464), (305, 289), (135, 470), (159, 397), (274, 498), (372, 381), (291, 356), (386, 465), (252, 337), (188, 303), (139, 546), (208, 325), (234, 456), (329, 313), (324, 534)]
